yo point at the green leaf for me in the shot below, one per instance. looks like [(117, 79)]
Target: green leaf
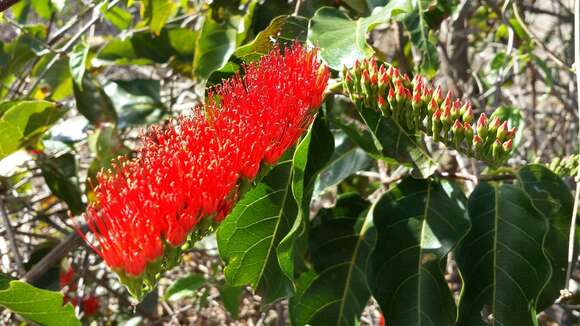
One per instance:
[(418, 223), (61, 176), (552, 198), (119, 17), (173, 45), (335, 292), (502, 260), (310, 156), (40, 306), (248, 237), (155, 13), (346, 160), (342, 40), (282, 29), (231, 297), (184, 287), (24, 122), (422, 37), (392, 141), (93, 102), (215, 44), (260, 240), (136, 101), (78, 62)]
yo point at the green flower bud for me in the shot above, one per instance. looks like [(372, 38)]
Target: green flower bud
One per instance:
[(436, 124), (502, 131), (467, 112), (482, 126), (468, 130)]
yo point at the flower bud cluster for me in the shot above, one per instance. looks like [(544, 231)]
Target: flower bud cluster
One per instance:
[(567, 166), (415, 105)]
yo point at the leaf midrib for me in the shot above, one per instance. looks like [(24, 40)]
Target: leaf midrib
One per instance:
[(352, 263)]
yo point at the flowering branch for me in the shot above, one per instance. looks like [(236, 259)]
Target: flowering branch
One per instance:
[(189, 173), (415, 105)]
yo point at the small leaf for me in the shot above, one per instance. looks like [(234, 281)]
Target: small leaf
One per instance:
[(552, 198), (215, 44), (78, 61), (335, 292), (61, 176), (342, 40), (422, 38), (502, 259), (155, 13), (282, 29), (40, 306), (24, 122), (119, 17), (93, 102), (418, 223), (184, 287)]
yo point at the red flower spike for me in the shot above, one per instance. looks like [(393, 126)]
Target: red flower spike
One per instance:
[(189, 169)]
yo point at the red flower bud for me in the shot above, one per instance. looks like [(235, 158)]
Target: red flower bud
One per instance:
[(507, 146)]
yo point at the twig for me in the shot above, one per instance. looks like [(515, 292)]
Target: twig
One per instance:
[(70, 243), (11, 238), (68, 46), (535, 39), (577, 194), (5, 4), (297, 8)]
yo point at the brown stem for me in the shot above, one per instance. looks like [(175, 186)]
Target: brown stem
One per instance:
[(5, 4)]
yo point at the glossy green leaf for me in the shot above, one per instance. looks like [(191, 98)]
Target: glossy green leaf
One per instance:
[(93, 102), (553, 199), (156, 13), (346, 160), (502, 259), (260, 240), (24, 122), (61, 176), (310, 156), (78, 62), (422, 37), (282, 29), (342, 40), (418, 223), (215, 44), (40, 306), (392, 141), (248, 237), (136, 101), (335, 292), (185, 286)]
